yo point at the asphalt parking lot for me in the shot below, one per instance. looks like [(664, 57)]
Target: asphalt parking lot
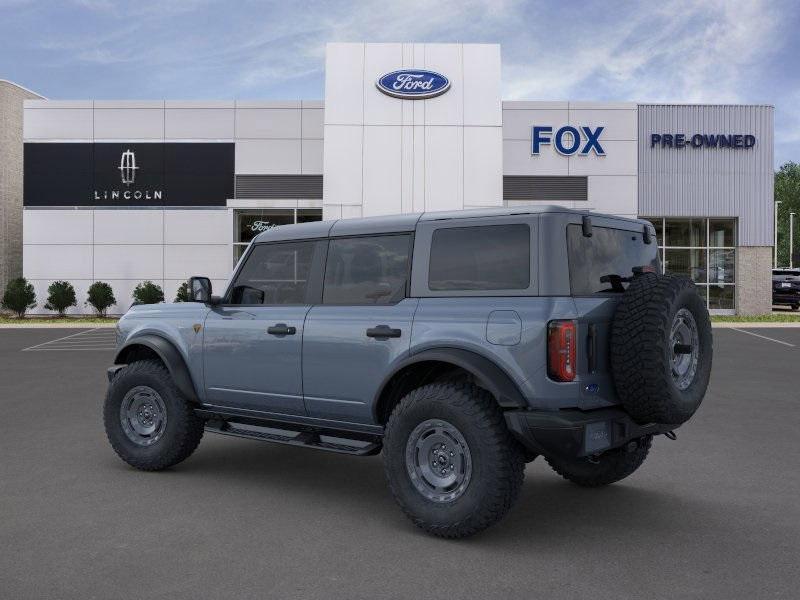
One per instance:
[(714, 515)]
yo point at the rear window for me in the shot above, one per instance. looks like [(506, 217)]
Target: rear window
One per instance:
[(489, 257), (594, 260)]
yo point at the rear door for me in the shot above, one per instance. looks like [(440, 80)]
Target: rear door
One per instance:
[(362, 326)]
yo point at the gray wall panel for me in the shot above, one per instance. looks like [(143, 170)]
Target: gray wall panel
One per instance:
[(734, 182)]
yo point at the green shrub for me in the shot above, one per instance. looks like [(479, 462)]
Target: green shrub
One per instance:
[(148, 292), (60, 296), (183, 293), (19, 296), (100, 297)]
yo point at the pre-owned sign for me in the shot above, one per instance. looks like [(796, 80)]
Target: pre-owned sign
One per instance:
[(702, 140)]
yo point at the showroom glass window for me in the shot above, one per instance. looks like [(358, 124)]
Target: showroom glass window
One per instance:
[(705, 251), (249, 223)]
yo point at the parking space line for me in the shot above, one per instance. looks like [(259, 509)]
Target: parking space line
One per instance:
[(91, 339), (763, 337)]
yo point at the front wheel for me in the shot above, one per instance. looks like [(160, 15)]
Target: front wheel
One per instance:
[(450, 461), (148, 422), (609, 467)]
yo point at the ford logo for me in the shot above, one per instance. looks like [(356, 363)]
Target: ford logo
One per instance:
[(413, 84)]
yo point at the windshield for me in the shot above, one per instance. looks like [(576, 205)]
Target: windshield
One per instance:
[(604, 262)]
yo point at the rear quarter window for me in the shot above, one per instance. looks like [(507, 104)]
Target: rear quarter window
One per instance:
[(487, 257), (607, 252)]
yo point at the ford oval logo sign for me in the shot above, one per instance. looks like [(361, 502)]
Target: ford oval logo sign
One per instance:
[(413, 84)]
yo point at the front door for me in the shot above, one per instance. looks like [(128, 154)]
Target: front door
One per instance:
[(362, 326), (253, 339)]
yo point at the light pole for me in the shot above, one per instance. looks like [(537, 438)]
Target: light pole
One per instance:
[(791, 238), (777, 202)]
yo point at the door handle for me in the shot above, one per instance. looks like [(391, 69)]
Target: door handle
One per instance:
[(383, 331), (281, 329)]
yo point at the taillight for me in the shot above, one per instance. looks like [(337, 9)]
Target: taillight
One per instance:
[(561, 336)]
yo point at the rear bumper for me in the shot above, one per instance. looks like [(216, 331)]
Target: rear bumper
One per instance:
[(785, 298), (575, 433)]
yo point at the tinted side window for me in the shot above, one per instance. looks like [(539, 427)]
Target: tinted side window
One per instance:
[(274, 274), (490, 257), (606, 252), (366, 270)]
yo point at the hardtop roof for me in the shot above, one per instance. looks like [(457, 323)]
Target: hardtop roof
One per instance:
[(404, 223)]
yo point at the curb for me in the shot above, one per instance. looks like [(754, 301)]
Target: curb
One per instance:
[(756, 325), (58, 326)]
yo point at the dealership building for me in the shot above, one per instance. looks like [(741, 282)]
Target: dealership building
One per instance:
[(126, 191)]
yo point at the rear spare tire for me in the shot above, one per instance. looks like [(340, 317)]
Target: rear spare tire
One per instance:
[(661, 349)]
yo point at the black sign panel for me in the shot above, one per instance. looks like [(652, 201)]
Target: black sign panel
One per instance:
[(128, 174)]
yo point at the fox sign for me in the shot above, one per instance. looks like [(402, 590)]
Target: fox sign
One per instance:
[(568, 140)]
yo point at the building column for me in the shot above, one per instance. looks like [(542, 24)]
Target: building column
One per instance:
[(753, 280)]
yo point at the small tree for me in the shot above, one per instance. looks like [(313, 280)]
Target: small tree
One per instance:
[(60, 296), (100, 297), (183, 293), (148, 292), (19, 296)]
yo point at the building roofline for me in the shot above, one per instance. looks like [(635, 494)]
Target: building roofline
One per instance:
[(22, 87)]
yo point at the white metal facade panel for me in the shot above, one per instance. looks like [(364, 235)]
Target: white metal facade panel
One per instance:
[(58, 123), (129, 261), (128, 226), (198, 227), (199, 123), (268, 123), (129, 124), (57, 261), (57, 227), (266, 157), (182, 261)]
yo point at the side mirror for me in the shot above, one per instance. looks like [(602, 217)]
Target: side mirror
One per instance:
[(200, 289)]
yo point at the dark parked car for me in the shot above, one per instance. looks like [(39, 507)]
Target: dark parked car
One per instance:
[(786, 287)]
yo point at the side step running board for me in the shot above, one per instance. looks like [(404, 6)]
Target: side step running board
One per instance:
[(305, 439)]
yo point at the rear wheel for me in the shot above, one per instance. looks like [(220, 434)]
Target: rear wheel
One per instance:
[(451, 463), (148, 422), (607, 468), (795, 306)]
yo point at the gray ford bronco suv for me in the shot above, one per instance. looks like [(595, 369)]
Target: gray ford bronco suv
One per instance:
[(460, 345)]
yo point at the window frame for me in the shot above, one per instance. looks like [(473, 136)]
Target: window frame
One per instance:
[(409, 262), (420, 274), (707, 249), (314, 289)]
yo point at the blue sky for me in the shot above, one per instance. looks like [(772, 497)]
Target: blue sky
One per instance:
[(669, 50)]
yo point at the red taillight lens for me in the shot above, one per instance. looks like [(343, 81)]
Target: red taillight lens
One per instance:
[(561, 336)]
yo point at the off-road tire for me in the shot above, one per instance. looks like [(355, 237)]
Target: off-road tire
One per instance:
[(641, 349), (183, 429), (497, 462), (610, 467)]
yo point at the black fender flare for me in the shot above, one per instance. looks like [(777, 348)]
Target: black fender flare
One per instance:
[(491, 377), (171, 358)]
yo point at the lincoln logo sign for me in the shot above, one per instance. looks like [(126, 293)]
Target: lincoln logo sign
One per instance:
[(568, 140), (127, 173), (413, 84), (127, 167)]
